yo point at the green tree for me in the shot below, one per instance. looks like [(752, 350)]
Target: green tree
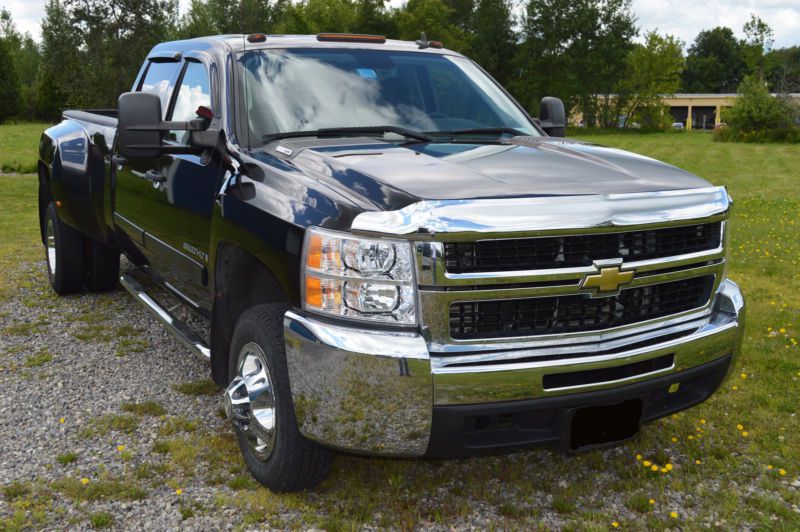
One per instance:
[(758, 41), (715, 62), (783, 69), (653, 68), (25, 57), (115, 36), (434, 18), (374, 17), (58, 85), (199, 21), (573, 49), (9, 84), (756, 110), (493, 38)]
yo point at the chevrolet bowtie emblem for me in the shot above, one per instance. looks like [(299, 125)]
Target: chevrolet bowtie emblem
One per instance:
[(608, 280)]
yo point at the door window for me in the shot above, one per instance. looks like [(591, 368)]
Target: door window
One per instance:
[(194, 91), (160, 79)]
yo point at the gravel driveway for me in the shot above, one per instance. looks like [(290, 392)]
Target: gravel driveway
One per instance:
[(107, 422), (69, 367)]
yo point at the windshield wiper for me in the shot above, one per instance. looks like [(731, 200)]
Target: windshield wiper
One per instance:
[(496, 131), (344, 131)]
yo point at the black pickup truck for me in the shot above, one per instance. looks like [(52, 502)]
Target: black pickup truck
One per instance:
[(390, 256)]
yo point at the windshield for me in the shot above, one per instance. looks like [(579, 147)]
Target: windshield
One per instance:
[(288, 90)]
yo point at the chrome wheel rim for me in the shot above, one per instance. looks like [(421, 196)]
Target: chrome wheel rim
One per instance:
[(250, 401), (50, 247)]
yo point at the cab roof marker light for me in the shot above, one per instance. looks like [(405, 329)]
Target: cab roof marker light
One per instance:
[(256, 37), (351, 37)]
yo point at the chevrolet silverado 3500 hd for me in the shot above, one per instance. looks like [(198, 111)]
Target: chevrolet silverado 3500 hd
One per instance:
[(391, 256)]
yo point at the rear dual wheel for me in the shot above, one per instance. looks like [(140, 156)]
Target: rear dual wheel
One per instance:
[(63, 247), (74, 261)]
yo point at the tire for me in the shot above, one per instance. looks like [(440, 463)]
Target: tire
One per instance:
[(293, 463), (63, 252), (102, 268)]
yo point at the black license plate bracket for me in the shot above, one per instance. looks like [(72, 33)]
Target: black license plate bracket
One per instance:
[(601, 425)]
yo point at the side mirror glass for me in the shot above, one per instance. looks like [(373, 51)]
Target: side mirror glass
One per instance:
[(139, 109), (552, 116)]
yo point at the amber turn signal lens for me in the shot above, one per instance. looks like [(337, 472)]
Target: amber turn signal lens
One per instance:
[(313, 292), (314, 252)]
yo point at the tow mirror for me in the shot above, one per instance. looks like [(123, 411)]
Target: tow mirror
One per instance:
[(139, 109), (552, 116), (140, 129)]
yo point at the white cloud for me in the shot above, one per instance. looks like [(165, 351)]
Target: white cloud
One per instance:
[(682, 18), (686, 18)]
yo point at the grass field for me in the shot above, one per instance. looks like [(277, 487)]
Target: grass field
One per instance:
[(19, 144), (734, 461)]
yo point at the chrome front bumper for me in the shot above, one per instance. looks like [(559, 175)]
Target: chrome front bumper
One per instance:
[(375, 392)]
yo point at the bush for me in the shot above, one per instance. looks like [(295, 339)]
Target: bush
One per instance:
[(757, 116)]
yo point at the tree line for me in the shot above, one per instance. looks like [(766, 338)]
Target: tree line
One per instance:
[(585, 52)]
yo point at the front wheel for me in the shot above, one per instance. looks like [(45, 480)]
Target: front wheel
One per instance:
[(259, 403), (63, 248)]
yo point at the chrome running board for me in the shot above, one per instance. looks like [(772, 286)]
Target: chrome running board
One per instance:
[(179, 329)]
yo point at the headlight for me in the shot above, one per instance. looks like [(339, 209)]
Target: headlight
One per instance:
[(362, 278)]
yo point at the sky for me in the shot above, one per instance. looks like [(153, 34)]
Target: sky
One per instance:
[(681, 18)]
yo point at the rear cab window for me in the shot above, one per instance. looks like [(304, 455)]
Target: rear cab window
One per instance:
[(160, 79)]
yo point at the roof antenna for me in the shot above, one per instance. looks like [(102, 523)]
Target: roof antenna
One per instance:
[(423, 42)]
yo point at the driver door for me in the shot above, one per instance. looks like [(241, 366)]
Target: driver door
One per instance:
[(178, 226)]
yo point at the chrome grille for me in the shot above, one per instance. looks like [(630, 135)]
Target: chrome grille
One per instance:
[(578, 250), (576, 313)]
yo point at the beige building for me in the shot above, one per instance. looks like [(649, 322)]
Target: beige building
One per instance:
[(699, 110)]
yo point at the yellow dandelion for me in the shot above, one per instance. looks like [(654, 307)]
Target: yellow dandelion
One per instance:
[(745, 434), (638, 456), (673, 515), (743, 375), (669, 467), (769, 329), (664, 470), (652, 501), (674, 440), (782, 472), (690, 437), (734, 387), (653, 467), (698, 462), (614, 524), (178, 491), (84, 481), (739, 427), (61, 420), (781, 330), (646, 463), (769, 467), (120, 448), (702, 421)]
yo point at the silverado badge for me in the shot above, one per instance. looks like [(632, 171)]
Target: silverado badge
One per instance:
[(608, 280)]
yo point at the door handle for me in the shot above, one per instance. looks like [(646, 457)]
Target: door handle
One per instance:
[(155, 176), (118, 160)]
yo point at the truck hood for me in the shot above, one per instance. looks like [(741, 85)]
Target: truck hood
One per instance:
[(381, 175)]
